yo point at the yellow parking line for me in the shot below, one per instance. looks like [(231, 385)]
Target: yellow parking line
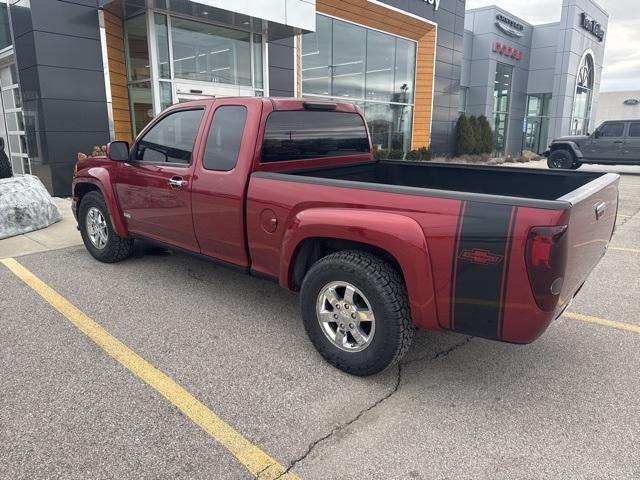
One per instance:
[(629, 327), (622, 249), (253, 458)]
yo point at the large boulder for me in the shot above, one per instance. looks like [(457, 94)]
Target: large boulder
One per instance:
[(25, 206)]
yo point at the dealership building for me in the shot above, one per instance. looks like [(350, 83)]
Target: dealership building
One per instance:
[(535, 82), (77, 73)]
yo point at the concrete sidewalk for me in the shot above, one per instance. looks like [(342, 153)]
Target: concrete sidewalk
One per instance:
[(59, 235)]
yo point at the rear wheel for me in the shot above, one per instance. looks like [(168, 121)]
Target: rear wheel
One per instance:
[(561, 159), (356, 312), (98, 235)]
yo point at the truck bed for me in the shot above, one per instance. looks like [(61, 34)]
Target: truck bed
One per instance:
[(536, 186)]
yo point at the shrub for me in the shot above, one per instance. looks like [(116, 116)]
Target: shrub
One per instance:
[(465, 139), (425, 154), (380, 154), (475, 133), (396, 154), (413, 155), (485, 134)]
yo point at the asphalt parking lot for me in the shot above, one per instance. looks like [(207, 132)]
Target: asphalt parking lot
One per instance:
[(565, 406)]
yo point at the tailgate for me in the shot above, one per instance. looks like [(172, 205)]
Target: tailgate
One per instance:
[(591, 223)]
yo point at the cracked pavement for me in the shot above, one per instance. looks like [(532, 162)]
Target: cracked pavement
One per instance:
[(456, 407)]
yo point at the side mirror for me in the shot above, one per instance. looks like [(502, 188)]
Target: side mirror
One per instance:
[(118, 151), (596, 134)]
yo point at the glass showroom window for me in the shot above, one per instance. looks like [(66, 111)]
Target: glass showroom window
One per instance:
[(501, 99), (582, 100), (375, 70), (537, 122)]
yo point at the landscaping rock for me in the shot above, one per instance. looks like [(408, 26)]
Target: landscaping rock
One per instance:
[(25, 206)]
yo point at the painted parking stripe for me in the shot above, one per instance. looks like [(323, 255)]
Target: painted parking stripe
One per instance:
[(253, 458), (623, 249), (629, 327)]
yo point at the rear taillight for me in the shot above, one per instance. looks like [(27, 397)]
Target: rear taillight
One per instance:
[(546, 262)]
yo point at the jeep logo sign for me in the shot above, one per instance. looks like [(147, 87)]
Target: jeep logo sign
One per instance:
[(508, 26), (631, 102), (592, 26)]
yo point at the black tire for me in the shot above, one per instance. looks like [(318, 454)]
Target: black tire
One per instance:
[(576, 165), (116, 247), (385, 290), (5, 166), (561, 159)]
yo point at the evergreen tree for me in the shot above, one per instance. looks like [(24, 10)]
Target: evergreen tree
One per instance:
[(464, 136), (476, 148), (486, 135)]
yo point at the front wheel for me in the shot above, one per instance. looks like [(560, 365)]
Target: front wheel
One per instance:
[(356, 312), (561, 159), (98, 235)]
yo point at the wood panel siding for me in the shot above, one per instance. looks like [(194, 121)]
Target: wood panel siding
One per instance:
[(379, 17), (118, 76)]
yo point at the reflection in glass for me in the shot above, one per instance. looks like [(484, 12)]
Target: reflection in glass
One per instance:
[(316, 58), (165, 95), (210, 53), (537, 129), (381, 52), (257, 61), (141, 105), (136, 40), (582, 99), (348, 60), (162, 44), (501, 99), (374, 69)]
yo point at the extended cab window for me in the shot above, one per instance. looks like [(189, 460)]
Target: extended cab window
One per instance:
[(225, 138), (299, 135), (634, 130), (171, 140), (611, 130)]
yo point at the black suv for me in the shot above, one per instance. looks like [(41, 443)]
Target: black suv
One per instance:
[(613, 142)]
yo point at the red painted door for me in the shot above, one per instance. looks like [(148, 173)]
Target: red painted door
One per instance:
[(154, 188), (221, 179)]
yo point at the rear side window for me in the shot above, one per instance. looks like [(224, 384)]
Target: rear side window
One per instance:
[(612, 130), (634, 130), (299, 135), (171, 140), (225, 137)]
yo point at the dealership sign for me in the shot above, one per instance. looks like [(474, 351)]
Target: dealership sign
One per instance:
[(435, 3), (507, 51), (632, 102), (509, 26), (592, 26)]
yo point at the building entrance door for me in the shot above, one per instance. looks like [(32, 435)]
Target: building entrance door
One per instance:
[(11, 117)]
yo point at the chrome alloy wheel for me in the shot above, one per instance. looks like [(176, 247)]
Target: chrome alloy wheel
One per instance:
[(97, 228), (345, 316)]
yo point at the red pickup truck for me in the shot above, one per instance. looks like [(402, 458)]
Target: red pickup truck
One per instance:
[(288, 189)]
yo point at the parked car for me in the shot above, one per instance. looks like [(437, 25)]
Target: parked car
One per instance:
[(614, 142), (375, 248)]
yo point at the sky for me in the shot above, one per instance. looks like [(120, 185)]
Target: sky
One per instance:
[(622, 52)]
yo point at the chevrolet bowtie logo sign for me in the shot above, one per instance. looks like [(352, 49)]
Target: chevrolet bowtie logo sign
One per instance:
[(480, 257)]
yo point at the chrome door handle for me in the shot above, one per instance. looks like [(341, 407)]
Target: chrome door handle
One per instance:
[(177, 182)]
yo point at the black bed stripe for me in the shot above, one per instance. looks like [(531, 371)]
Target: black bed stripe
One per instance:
[(507, 261), (478, 269), (454, 263)]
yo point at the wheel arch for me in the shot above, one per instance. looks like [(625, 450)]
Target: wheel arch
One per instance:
[(398, 239), (100, 181), (571, 147)]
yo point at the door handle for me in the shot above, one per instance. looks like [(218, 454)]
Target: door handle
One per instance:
[(618, 141), (177, 182)]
